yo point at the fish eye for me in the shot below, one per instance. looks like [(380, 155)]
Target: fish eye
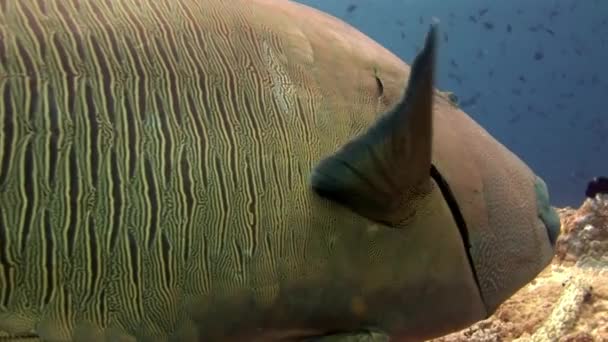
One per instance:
[(379, 85)]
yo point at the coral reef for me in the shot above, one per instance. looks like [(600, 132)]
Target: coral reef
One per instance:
[(568, 301)]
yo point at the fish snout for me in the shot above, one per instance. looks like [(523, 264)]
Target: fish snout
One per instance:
[(547, 214)]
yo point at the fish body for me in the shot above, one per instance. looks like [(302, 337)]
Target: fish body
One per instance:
[(244, 170)]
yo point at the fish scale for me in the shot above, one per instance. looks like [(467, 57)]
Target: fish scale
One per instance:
[(88, 153)]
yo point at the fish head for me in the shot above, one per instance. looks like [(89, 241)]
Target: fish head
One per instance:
[(503, 207)]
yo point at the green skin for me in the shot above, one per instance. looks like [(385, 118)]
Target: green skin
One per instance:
[(244, 170)]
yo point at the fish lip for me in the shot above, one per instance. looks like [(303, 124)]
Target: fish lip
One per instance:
[(547, 213), (553, 225)]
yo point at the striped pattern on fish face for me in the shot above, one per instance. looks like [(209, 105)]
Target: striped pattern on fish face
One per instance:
[(155, 151)]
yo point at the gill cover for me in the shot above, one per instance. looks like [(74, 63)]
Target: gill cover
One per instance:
[(505, 207)]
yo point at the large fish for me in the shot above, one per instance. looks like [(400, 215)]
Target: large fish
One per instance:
[(214, 170)]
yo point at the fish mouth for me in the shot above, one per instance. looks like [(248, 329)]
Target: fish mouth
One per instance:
[(547, 214)]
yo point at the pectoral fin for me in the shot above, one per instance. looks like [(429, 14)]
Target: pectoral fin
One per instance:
[(361, 336), (379, 172)]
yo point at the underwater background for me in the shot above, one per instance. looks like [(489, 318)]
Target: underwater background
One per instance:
[(532, 73)]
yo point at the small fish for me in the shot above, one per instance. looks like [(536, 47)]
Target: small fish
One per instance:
[(598, 185), (509, 28), (515, 118), (488, 25), (538, 55), (482, 12), (553, 13), (351, 8), (470, 101)]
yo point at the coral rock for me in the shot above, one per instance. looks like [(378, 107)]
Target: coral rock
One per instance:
[(568, 301)]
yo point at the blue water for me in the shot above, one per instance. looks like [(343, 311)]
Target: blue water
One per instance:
[(533, 73)]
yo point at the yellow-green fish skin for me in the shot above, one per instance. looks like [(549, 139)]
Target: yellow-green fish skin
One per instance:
[(155, 159)]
